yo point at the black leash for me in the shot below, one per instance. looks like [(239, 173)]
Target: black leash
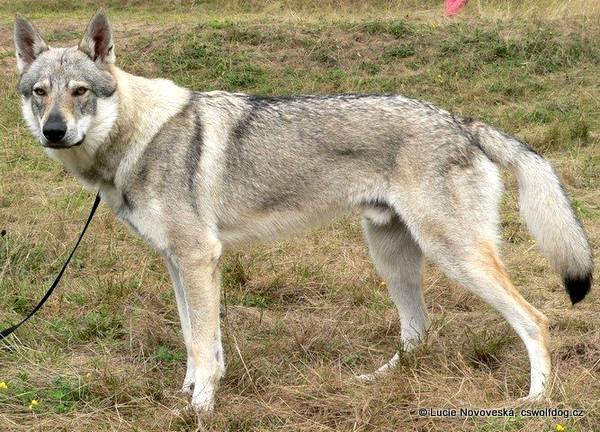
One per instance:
[(4, 333)]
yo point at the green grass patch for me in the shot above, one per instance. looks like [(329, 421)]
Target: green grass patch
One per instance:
[(167, 355), (484, 347)]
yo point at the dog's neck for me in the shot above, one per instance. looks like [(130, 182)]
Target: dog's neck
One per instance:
[(141, 107)]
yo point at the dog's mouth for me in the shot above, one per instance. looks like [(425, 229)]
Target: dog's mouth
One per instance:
[(59, 146)]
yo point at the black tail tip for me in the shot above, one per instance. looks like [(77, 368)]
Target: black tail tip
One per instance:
[(578, 287)]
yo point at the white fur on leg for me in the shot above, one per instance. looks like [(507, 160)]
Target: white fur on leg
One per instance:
[(182, 307), (200, 277), (203, 399), (533, 336), (408, 344), (485, 276), (218, 350), (399, 260), (188, 381), (206, 377), (381, 371), (205, 382)]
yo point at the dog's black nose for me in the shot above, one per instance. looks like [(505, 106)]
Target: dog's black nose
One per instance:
[(55, 128)]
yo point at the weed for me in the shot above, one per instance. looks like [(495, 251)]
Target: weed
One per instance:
[(164, 354), (394, 28), (402, 51), (483, 348)]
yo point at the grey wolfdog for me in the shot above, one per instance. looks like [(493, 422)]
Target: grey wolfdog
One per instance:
[(194, 173)]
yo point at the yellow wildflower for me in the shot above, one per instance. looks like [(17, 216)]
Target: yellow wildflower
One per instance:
[(3, 385), (560, 428), (33, 404)]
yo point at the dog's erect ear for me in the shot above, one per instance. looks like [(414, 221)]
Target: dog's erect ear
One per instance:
[(29, 43), (97, 41)]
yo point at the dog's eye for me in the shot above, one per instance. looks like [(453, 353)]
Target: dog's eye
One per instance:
[(39, 91), (80, 91)]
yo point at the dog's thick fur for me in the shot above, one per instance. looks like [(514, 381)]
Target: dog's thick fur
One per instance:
[(194, 173)]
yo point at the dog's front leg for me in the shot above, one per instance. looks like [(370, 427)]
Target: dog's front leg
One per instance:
[(200, 278), (184, 318)]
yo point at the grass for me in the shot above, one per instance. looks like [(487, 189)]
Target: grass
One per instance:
[(300, 317)]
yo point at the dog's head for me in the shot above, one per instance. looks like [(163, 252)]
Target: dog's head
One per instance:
[(68, 94)]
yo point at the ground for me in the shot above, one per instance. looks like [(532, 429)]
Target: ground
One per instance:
[(301, 317)]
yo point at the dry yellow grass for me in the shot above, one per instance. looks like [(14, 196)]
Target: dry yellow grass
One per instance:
[(301, 317)]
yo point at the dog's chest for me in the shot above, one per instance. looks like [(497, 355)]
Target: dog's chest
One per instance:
[(145, 218)]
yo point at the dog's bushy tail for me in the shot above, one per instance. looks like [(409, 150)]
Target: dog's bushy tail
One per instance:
[(546, 208)]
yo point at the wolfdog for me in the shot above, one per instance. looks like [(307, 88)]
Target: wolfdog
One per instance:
[(194, 173)]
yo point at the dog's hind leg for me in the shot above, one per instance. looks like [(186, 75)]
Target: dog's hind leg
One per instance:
[(477, 266), (398, 259), (455, 222)]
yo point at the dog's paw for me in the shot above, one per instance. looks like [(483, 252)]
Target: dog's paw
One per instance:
[(203, 402), (366, 378), (534, 398)]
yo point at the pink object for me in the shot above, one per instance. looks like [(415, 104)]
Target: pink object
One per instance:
[(454, 6)]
